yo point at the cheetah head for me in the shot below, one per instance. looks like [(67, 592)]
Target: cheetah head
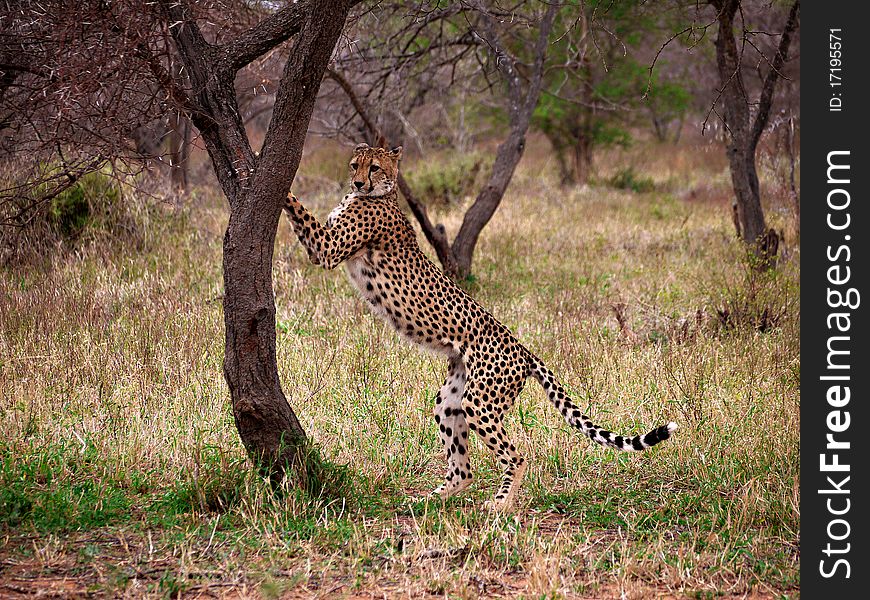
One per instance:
[(373, 171)]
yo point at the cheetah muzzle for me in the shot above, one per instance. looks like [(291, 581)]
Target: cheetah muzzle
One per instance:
[(487, 365)]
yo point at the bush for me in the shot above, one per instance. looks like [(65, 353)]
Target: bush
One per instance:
[(760, 300), (446, 182), (628, 179), (97, 206), (94, 197)]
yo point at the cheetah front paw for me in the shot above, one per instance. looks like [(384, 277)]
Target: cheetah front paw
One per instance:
[(291, 202)]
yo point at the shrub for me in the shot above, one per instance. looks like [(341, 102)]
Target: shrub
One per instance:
[(97, 206), (443, 183), (759, 301), (94, 197), (628, 179)]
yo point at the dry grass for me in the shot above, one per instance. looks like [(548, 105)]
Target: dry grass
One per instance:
[(122, 473)]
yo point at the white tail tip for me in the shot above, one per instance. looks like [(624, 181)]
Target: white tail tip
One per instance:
[(672, 426)]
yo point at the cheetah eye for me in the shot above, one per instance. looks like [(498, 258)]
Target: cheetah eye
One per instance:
[(374, 168), (354, 166)]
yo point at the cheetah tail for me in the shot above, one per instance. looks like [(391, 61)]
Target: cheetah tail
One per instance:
[(575, 418)]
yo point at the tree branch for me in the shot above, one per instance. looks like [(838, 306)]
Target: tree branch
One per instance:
[(510, 151), (228, 145), (766, 99), (269, 33), (272, 31)]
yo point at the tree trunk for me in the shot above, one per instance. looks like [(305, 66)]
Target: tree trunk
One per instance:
[(521, 105), (744, 179), (743, 133), (739, 146), (267, 425), (256, 187), (506, 159), (566, 173), (660, 127), (582, 159)]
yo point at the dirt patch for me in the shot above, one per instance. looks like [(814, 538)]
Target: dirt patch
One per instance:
[(125, 565)]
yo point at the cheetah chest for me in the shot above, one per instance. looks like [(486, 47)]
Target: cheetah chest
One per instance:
[(392, 298), (362, 273)]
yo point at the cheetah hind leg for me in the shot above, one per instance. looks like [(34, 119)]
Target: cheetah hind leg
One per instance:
[(453, 431), (486, 420), (507, 493)]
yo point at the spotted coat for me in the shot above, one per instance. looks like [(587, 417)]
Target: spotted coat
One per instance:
[(487, 365)]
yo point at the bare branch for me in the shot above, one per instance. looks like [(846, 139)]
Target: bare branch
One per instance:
[(766, 98)]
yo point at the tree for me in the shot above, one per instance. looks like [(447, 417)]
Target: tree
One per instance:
[(255, 186), (445, 39), (155, 58), (595, 85), (667, 103), (743, 130), (588, 86)]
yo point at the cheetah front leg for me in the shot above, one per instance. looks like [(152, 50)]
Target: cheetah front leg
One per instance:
[(326, 246), (305, 226), (453, 431)]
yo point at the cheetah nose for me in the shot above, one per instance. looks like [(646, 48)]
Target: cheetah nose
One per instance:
[(359, 184)]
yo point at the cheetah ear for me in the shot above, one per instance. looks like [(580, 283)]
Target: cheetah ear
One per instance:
[(359, 147), (396, 152)]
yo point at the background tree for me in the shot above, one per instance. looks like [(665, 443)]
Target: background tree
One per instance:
[(744, 131), (583, 104), (596, 84), (742, 48), (509, 50)]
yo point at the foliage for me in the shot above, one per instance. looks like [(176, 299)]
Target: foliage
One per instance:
[(627, 178), (449, 179), (93, 199), (100, 207), (589, 103)]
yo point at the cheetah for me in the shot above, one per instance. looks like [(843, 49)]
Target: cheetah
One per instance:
[(487, 365)]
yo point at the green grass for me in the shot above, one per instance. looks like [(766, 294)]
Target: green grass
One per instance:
[(121, 470)]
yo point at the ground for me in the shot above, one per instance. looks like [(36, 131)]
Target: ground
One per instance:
[(121, 473)]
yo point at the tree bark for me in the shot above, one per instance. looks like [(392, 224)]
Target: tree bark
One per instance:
[(743, 133), (266, 423), (488, 199), (566, 173), (255, 188), (582, 159)]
